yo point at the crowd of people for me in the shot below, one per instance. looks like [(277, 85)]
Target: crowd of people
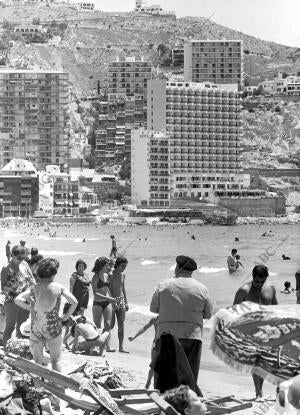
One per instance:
[(180, 303)]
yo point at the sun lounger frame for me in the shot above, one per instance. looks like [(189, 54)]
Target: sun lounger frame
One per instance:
[(56, 382)]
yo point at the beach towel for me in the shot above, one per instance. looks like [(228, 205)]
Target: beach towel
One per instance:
[(171, 365), (258, 339)]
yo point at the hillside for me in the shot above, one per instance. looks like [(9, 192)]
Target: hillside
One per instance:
[(271, 135), (92, 39), (86, 41)]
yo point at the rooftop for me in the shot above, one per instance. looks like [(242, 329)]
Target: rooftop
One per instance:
[(12, 70), (19, 165)]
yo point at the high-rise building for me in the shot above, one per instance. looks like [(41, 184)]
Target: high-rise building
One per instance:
[(191, 146), (217, 61), (33, 117), (113, 129), (129, 77)]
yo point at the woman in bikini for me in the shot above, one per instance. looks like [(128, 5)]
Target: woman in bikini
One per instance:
[(103, 301), (43, 301)]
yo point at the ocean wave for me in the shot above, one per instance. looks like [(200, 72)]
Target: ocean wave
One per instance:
[(272, 274), (148, 262), (60, 253), (207, 270), (140, 309)]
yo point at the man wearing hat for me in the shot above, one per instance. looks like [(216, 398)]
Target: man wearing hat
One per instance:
[(182, 303)]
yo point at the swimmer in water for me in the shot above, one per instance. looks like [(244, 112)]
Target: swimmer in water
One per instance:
[(237, 257), (287, 288), (285, 258)]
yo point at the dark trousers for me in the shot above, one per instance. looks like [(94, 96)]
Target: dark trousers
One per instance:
[(192, 348)]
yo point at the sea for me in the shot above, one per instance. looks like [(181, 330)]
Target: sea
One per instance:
[(151, 252)]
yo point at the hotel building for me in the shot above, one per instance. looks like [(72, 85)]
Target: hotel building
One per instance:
[(129, 77), (191, 146), (33, 117), (217, 61)]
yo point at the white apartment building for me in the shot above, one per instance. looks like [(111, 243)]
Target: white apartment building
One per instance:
[(217, 61), (191, 146)]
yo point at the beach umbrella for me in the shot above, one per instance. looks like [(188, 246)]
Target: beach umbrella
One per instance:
[(258, 339)]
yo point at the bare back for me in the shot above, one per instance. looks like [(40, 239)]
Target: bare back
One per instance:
[(266, 295), (46, 296)]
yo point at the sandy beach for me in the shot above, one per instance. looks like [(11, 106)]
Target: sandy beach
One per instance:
[(149, 264)]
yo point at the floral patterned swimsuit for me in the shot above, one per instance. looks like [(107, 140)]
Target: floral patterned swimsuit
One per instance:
[(47, 325)]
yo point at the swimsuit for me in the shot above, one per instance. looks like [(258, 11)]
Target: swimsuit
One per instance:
[(102, 304), (47, 325), (81, 290), (121, 303)]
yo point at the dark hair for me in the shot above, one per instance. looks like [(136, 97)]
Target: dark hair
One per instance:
[(260, 271), (100, 263), (22, 243), (121, 260), (287, 284), (234, 251), (237, 257), (112, 236), (36, 259), (80, 261), (18, 250), (47, 268), (34, 251), (178, 397)]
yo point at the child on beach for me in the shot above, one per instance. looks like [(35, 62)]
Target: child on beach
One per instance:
[(237, 257), (287, 288), (152, 322), (81, 326), (79, 286), (117, 290), (43, 301)]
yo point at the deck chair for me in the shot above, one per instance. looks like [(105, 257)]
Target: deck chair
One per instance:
[(86, 396), (214, 406)]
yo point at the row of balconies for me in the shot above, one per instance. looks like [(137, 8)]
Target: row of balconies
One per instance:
[(201, 92), (204, 129), (203, 102), (182, 107), (204, 122)]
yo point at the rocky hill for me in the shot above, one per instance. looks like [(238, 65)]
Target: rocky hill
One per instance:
[(271, 135), (90, 40), (82, 43)]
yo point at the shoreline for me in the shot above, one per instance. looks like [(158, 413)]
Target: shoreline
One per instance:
[(289, 219)]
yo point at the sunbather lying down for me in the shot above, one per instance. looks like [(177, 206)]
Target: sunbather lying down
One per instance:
[(185, 401), (81, 326)]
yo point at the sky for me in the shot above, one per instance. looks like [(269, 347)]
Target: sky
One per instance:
[(273, 20)]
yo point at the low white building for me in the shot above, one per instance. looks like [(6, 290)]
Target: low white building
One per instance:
[(279, 85)]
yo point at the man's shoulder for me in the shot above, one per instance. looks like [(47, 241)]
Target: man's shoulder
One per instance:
[(245, 287)]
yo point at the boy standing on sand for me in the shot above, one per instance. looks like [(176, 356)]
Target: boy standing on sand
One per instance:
[(117, 290), (152, 322)]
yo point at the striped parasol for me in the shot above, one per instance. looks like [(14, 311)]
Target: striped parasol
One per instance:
[(259, 339)]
